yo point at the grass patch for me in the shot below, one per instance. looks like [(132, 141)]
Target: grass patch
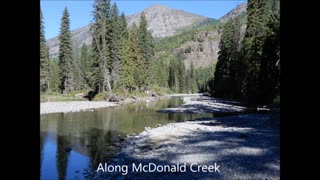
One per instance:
[(100, 97), (47, 97)]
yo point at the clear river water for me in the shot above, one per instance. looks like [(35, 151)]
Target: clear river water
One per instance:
[(71, 143)]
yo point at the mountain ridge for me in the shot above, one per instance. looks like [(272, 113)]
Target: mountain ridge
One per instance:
[(163, 22)]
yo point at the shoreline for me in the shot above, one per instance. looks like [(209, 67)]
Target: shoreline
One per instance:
[(245, 146), (77, 106)]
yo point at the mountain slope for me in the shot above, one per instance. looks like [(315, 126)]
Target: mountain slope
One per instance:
[(200, 46), (79, 36), (162, 22), (234, 12)]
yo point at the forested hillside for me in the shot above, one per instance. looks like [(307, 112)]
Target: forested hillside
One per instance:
[(249, 69)]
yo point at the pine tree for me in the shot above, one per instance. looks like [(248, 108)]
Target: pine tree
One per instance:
[(193, 84), (65, 54), (253, 47), (85, 66), (237, 66), (160, 76), (123, 26), (172, 79), (224, 77), (44, 59), (181, 76), (78, 78), (132, 78), (269, 77), (101, 42), (54, 76), (115, 46), (147, 49), (123, 34)]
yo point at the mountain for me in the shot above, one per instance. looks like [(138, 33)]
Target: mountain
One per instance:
[(200, 46), (237, 11), (162, 22), (79, 36)]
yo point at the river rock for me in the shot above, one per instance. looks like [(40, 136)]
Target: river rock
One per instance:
[(137, 150), (147, 128)]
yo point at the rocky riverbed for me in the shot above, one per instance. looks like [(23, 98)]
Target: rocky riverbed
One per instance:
[(76, 106), (243, 146), (205, 104), (72, 106)]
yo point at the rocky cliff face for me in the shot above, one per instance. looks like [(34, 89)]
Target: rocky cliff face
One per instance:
[(204, 48), (234, 12), (162, 22), (201, 51)]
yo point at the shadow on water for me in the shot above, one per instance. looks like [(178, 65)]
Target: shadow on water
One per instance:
[(72, 143)]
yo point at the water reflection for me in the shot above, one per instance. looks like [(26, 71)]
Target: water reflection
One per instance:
[(93, 135)]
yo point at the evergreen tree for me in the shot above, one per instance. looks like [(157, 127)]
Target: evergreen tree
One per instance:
[(115, 47), (172, 79), (193, 84), (123, 26), (85, 66), (269, 77), (79, 82), (44, 58), (147, 49), (65, 54), (251, 73), (160, 76), (187, 82), (237, 65), (123, 39), (228, 73), (253, 47), (181, 76), (54, 76), (101, 42), (132, 78)]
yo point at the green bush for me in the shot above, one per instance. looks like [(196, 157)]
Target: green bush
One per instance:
[(100, 97), (187, 50)]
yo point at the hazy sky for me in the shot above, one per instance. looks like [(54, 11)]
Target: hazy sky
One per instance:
[(80, 10)]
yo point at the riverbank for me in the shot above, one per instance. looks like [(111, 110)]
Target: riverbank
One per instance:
[(76, 106), (204, 104), (72, 106), (245, 147)]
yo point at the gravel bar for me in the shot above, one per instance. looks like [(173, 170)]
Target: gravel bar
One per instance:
[(72, 106)]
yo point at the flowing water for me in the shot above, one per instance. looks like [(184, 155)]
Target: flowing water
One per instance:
[(70, 143)]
